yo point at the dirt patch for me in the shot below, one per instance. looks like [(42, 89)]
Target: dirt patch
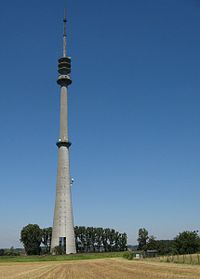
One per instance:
[(98, 269)]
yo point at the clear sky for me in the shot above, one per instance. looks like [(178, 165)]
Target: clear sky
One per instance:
[(134, 109)]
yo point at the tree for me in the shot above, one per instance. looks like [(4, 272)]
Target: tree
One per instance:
[(123, 242), (166, 247), (31, 237), (99, 237), (88, 239), (142, 238), (81, 241), (187, 242), (46, 238), (2, 252), (92, 239), (152, 243)]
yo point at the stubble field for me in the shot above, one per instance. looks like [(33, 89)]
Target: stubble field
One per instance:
[(98, 269)]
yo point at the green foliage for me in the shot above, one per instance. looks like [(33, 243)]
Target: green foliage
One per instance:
[(164, 247), (46, 239), (90, 239), (2, 252), (11, 252), (58, 250), (142, 239), (84, 256), (187, 242), (31, 237), (151, 244), (128, 255)]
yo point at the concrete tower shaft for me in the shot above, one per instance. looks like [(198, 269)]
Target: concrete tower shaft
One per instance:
[(63, 225), (64, 114)]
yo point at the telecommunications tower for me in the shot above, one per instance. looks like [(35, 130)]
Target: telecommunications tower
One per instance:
[(63, 224)]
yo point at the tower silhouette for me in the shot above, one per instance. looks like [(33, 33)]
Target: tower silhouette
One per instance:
[(63, 224)]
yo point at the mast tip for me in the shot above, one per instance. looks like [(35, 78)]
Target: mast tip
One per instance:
[(65, 34), (65, 15)]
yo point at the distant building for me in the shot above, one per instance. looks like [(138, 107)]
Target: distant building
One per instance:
[(151, 253)]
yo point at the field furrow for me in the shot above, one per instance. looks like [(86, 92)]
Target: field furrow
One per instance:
[(94, 269)]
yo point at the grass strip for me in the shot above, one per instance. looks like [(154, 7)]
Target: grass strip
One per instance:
[(85, 256)]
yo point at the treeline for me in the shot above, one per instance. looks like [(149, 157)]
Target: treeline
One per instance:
[(187, 242), (10, 252), (89, 239), (37, 241)]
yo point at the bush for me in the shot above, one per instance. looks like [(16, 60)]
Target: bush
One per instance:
[(2, 252), (58, 251), (128, 255), (11, 252)]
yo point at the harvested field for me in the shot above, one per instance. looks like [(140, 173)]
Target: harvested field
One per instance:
[(98, 269)]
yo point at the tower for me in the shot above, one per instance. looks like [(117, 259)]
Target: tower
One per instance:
[(63, 225)]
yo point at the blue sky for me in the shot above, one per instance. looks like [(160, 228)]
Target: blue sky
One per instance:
[(133, 111)]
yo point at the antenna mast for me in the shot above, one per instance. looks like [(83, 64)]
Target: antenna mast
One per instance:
[(65, 35)]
